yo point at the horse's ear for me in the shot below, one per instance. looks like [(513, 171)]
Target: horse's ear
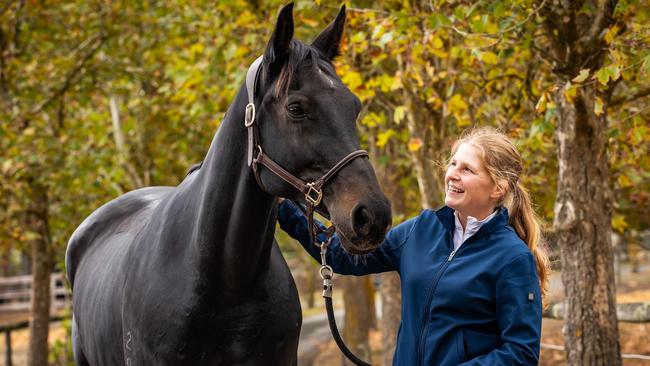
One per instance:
[(278, 47), (329, 40)]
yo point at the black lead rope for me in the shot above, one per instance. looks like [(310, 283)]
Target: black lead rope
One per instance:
[(327, 274)]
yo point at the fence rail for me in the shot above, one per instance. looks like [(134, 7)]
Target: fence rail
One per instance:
[(638, 312), (16, 293)]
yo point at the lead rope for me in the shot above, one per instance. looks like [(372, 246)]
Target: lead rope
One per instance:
[(327, 274)]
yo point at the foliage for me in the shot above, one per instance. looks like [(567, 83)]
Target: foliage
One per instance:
[(98, 98)]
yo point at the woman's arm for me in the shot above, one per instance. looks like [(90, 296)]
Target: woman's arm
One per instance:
[(385, 258), (519, 314)]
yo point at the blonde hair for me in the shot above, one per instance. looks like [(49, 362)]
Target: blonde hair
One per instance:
[(505, 165)]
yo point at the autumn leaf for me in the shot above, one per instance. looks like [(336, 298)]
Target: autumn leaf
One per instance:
[(598, 106), (489, 58), (582, 76), (415, 144), (399, 114), (541, 103)]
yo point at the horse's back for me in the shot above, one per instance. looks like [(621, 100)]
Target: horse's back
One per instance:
[(125, 215)]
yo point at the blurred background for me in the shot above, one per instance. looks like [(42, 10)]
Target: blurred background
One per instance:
[(98, 98)]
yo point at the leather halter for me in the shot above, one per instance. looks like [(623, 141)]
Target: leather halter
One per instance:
[(313, 191)]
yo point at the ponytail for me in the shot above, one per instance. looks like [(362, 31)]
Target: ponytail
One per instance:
[(528, 227)]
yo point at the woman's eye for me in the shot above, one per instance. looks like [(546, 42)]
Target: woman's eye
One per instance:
[(295, 110)]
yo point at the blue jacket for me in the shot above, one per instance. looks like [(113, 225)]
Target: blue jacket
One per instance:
[(480, 305)]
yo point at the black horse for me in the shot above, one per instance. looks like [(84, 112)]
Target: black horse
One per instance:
[(191, 275)]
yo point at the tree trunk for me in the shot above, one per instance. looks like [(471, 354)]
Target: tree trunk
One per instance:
[(583, 223), (41, 267), (391, 307), (390, 291), (424, 159), (583, 206), (357, 316)]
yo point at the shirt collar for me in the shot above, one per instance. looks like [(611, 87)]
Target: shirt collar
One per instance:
[(471, 227)]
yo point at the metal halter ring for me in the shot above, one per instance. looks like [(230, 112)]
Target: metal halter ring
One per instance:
[(326, 272), (309, 195), (250, 115)]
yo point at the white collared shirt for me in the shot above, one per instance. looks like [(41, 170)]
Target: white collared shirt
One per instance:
[(472, 226)]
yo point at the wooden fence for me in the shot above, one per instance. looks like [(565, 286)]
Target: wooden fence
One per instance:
[(15, 293)]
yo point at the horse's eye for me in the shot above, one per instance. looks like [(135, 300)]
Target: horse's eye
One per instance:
[(295, 110)]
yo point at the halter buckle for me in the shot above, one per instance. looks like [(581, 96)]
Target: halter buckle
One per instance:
[(250, 115), (309, 196)]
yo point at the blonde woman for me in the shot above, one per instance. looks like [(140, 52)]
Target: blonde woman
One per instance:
[(472, 273)]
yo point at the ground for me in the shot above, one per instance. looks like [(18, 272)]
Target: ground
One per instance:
[(634, 287)]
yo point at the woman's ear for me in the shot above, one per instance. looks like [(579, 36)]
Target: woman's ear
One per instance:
[(499, 191)]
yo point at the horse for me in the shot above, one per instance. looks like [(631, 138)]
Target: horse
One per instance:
[(192, 275)]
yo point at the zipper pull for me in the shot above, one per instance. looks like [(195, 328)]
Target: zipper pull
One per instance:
[(451, 256)]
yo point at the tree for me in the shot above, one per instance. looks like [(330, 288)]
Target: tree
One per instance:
[(577, 42)]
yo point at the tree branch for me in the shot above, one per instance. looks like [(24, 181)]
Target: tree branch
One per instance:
[(623, 99), (96, 42), (603, 20)]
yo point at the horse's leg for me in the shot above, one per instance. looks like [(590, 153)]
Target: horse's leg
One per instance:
[(77, 353)]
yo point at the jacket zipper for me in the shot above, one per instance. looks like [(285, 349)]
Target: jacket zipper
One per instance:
[(428, 305), (442, 269)]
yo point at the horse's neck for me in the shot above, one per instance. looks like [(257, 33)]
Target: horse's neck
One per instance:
[(235, 219)]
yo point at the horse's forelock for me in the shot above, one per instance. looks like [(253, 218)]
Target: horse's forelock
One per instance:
[(299, 54)]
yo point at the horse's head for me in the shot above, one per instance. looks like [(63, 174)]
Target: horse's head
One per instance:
[(307, 121)]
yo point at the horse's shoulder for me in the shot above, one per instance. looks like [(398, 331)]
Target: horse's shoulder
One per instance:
[(120, 211)]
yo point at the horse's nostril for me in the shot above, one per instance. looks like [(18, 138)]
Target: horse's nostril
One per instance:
[(361, 220)]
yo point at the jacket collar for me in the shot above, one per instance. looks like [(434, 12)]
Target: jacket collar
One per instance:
[(446, 217)]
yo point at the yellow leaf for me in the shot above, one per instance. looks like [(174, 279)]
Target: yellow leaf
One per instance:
[(457, 105), (463, 122), (6, 166), (384, 137), (489, 58), (352, 79), (415, 144), (582, 76), (541, 104), (598, 106), (619, 223), (611, 33), (624, 181), (310, 22), (437, 43)]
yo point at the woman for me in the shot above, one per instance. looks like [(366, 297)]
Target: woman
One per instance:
[(472, 273)]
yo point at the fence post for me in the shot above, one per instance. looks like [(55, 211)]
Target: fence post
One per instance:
[(8, 347)]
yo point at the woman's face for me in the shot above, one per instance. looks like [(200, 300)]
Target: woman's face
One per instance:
[(469, 189)]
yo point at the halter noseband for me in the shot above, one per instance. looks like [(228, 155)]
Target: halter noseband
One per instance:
[(313, 191)]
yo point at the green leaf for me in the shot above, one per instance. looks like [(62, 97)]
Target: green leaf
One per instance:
[(582, 76), (598, 106), (399, 114)]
